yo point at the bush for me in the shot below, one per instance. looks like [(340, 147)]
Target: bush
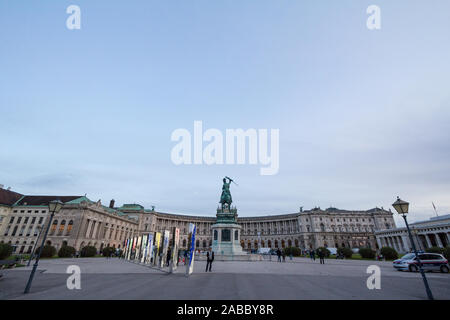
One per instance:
[(5, 250), (346, 252), (389, 253), (88, 251), (66, 252), (48, 251), (325, 251), (446, 252), (107, 251), (367, 253), (435, 250)]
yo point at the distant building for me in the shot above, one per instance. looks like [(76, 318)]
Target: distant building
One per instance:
[(84, 222), (434, 232)]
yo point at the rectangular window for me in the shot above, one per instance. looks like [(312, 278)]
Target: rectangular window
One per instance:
[(40, 219), (11, 220), (26, 220), (14, 231), (19, 219), (33, 220)]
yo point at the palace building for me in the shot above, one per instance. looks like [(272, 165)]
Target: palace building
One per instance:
[(83, 222)]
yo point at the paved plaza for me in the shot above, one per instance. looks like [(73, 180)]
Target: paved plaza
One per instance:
[(299, 278)]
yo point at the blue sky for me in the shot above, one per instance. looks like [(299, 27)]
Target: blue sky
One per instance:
[(363, 115)]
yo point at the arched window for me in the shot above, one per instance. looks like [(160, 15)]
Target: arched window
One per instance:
[(204, 243), (282, 243), (69, 227), (269, 243), (262, 243), (322, 227), (53, 228), (276, 243), (62, 226), (289, 243)]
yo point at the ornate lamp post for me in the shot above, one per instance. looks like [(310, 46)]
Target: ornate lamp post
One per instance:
[(402, 208), (54, 207)]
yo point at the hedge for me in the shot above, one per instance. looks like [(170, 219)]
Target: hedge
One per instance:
[(446, 252), (107, 251), (66, 252), (88, 251), (48, 251), (389, 253), (324, 250), (367, 253), (296, 252), (435, 250), (5, 250), (346, 252)]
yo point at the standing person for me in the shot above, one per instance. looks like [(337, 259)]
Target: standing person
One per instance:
[(212, 259), (209, 260), (321, 256), (169, 254), (313, 255), (279, 254)]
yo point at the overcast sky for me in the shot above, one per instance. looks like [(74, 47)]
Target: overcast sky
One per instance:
[(363, 115)]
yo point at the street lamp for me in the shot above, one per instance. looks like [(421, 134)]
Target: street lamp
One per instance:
[(34, 247), (54, 206), (402, 208)]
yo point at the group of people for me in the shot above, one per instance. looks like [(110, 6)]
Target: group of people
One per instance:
[(320, 254), (282, 254)]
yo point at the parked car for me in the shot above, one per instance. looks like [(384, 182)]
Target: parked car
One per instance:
[(430, 262)]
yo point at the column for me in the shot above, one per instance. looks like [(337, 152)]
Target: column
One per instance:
[(427, 238), (88, 229), (407, 243), (438, 240), (94, 234)]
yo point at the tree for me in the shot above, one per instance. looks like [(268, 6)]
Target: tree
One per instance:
[(88, 251), (325, 251), (5, 250), (346, 252), (367, 253), (66, 252), (389, 253)]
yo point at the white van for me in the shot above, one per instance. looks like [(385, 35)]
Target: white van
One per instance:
[(264, 250)]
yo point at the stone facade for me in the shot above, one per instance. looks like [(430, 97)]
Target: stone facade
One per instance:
[(426, 234), (83, 222)]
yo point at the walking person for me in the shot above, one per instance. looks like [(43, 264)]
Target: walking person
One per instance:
[(284, 255), (279, 254), (313, 255)]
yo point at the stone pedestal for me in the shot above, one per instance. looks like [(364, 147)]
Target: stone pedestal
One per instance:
[(226, 233), (226, 239)]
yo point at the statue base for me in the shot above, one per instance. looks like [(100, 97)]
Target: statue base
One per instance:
[(226, 240)]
